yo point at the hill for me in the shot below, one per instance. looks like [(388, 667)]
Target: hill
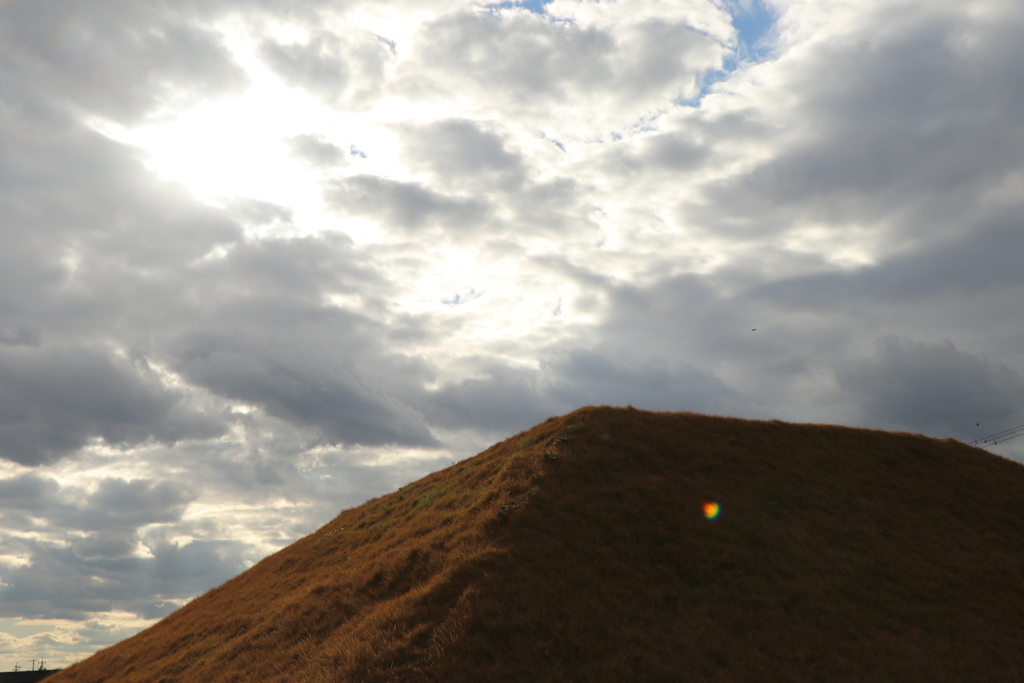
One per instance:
[(580, 550)]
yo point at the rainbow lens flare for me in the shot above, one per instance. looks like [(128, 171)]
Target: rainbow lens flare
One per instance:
[(711, 510)]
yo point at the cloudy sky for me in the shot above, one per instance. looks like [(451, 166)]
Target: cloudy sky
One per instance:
[(261, 260)]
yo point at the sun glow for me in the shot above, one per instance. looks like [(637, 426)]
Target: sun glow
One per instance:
[(241, 147), (232, 149)]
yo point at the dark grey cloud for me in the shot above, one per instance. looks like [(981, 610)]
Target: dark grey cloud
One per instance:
[(86, 232), (959, 273), (28, 498), (907, 123), (349, 67), (97, 568), (59, 584), (316, 65), (680, 315), (80, 219), (114, 504), (22, 336), (113, 546), (405, 205), (501, 399), (668, 56), (461, 153), (507, 399), (116, 261), (585, 376), (520, 54), (317, 150), (260, 213), (480, 176), (301, 383), (54, 400), (529, 60), (264, 334), (117, 503), (812, 330), (300, 270), (672, 152), (553, 206), (113, 58), (932, 387)]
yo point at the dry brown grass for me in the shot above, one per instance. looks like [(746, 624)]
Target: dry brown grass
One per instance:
[(578, 551)]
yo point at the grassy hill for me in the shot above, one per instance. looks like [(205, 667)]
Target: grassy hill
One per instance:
[(580, 551)]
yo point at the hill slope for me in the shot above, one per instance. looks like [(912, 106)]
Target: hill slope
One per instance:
[(579, 551)]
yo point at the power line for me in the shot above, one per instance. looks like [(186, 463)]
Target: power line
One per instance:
[(986, 421), (1003, 433), (1002, 436)]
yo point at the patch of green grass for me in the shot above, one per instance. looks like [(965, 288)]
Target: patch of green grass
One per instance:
[(431, 496), (516, 502)]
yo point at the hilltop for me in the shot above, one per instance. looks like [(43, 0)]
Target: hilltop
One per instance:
[(579, 550)]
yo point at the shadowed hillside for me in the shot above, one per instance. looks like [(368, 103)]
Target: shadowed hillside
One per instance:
[(579, 551)]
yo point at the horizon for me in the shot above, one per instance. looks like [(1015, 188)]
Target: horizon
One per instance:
[(259, 264)]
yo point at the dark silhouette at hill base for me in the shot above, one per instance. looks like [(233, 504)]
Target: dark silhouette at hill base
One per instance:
[(26, 676), (580, 550)]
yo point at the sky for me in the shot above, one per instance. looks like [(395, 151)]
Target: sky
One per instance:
[(263, 260)]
